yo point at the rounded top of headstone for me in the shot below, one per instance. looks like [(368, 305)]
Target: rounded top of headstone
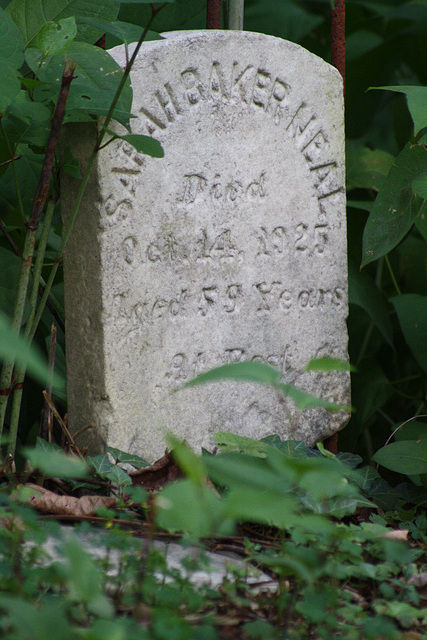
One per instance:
[(308, 61)]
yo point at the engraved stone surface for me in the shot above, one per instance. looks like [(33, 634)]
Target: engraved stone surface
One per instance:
[(230, 248)]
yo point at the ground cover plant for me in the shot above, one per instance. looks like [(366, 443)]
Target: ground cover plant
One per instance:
[(323, 527)]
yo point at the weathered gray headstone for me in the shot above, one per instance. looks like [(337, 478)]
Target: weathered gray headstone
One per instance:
[(230, 248)]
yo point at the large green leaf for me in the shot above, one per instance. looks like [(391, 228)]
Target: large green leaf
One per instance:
[(366, 168), (396, 207), (411, 310), (9, 84), (54, 38), (26, 121), (363, 291), (11, 43), (96, 79), (407, 456), (417, 103), (31, 15)]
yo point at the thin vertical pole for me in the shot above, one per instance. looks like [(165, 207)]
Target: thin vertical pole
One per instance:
[(338, 37), (235, 14), (213, 14)]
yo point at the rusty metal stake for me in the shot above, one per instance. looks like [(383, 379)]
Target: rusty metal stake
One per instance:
[(338, 37), (213, 14)]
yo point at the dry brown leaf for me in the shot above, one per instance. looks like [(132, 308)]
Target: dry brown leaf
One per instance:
[(160, 473), (50, 502), (397, 534)]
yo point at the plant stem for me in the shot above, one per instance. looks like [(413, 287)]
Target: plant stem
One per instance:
[(396, 286), (32, 226), (18, 312), (21, 369)]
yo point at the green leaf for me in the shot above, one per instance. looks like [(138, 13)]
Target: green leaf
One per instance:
[(407, 456), (192, 465), (233, 442), (85, 580), (14, 347), (123, 31), (266, 507), (413, 430), (328, 364), (396, 207), (184, 506), (419, 185), (411, 310), (11, 43), (31, 15), (366, 168), (41, 618), (10, 84), (246, 371), (96, 80), (56, 464), (109, 471), (143, 144), (27, 121), (54, 38), (128, 458), (304, 400), (363, 292), (417, 104)]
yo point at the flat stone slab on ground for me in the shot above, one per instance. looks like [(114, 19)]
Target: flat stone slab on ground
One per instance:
[(232, 247)]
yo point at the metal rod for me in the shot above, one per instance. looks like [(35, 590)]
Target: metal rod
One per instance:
[(235, 14), (213, 14), (338, 37)]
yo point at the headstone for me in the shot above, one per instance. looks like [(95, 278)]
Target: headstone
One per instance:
[(230, 248)]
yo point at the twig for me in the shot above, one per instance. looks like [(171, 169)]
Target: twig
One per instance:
[(46, 422), (62, 424)]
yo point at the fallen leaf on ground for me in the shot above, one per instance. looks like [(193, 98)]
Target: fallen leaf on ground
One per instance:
[(49, 502)]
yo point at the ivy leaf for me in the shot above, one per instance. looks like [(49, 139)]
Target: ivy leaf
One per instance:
[(54, 38), (31, 15), (128, 458), (396, 207), (411, 310), (11, 43)]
